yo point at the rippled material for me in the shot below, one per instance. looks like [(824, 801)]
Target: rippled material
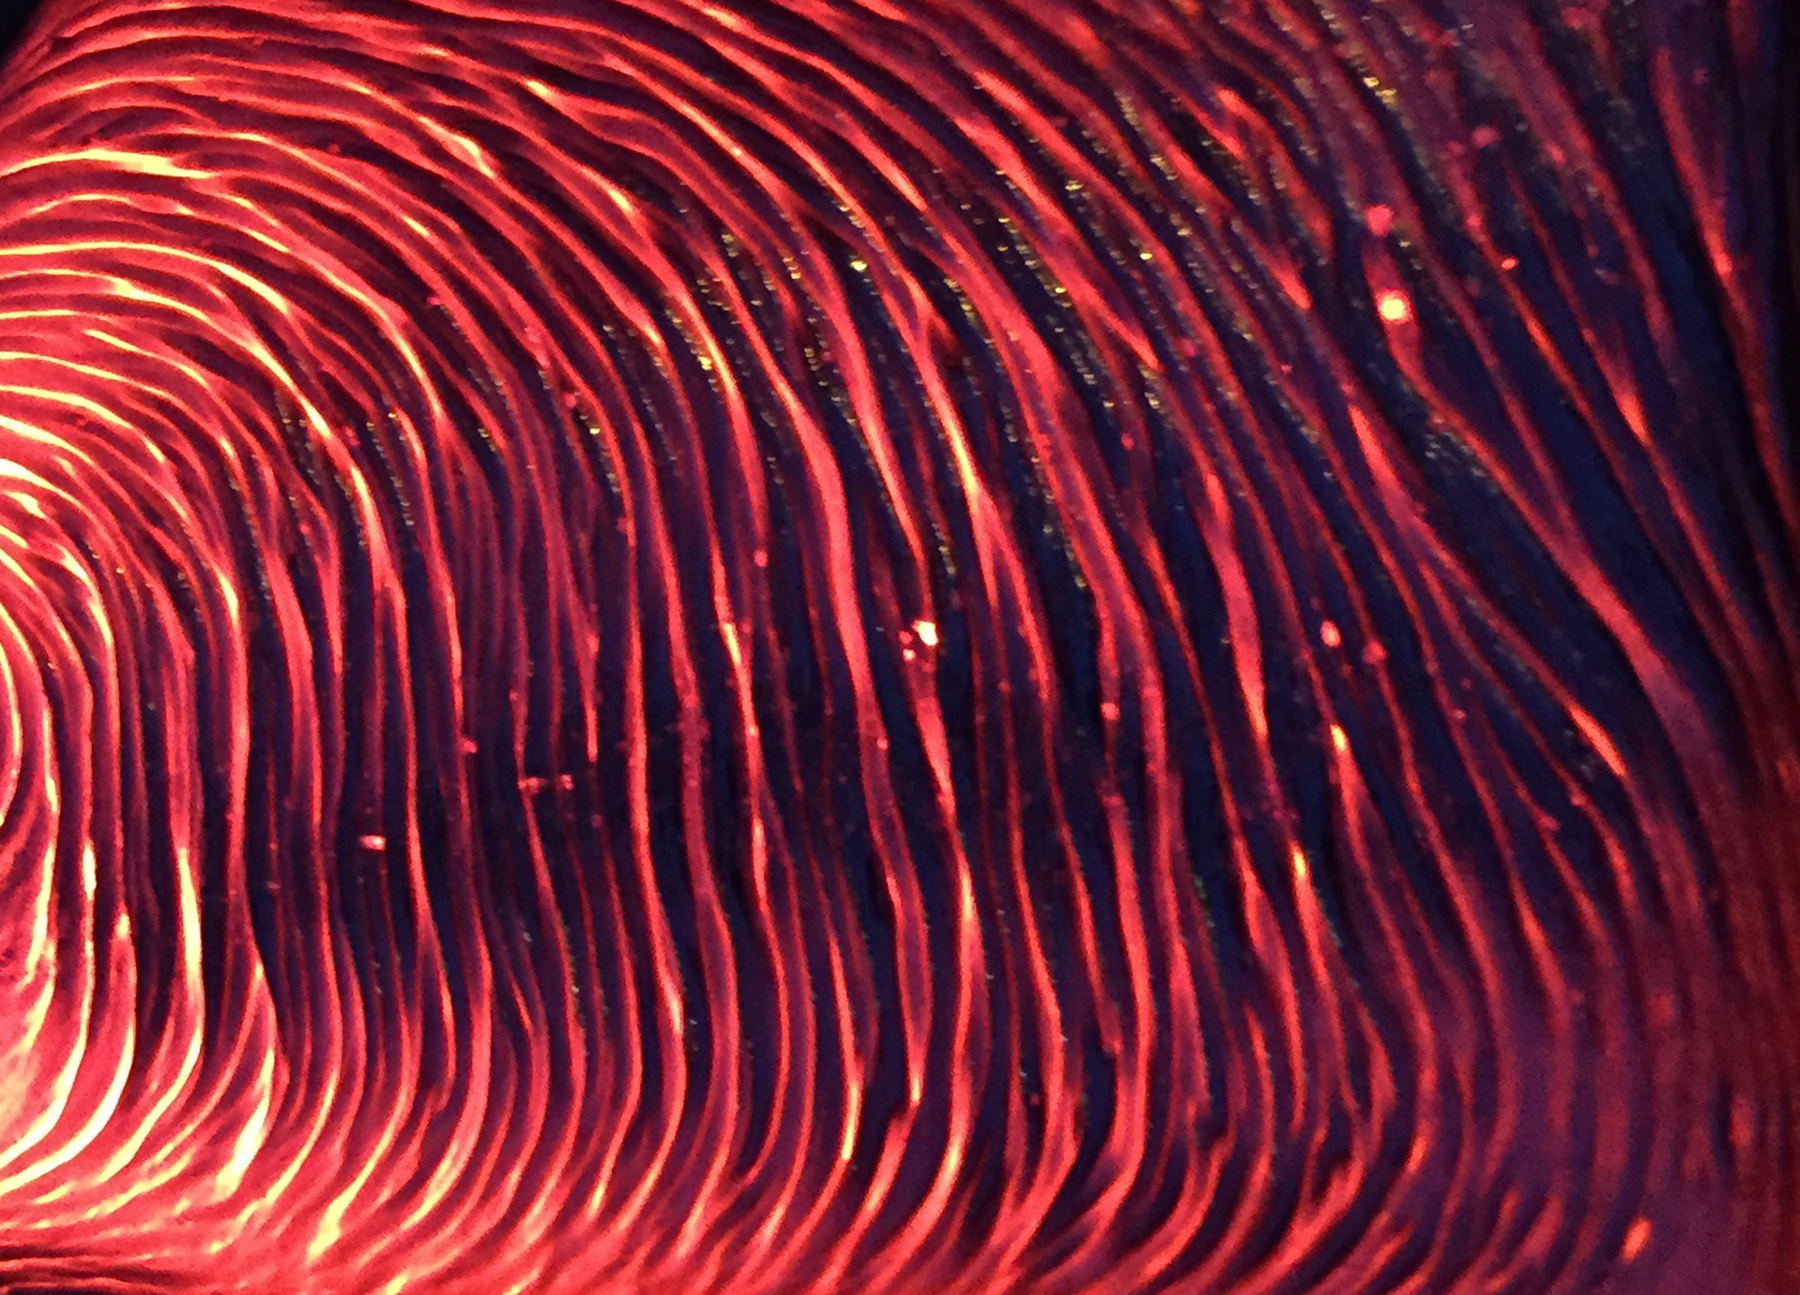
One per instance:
[(928, 649)]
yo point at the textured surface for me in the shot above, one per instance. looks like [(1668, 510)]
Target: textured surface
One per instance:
[(929, 648)]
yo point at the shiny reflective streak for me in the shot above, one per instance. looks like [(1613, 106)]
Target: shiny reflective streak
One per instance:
[(944, 648)]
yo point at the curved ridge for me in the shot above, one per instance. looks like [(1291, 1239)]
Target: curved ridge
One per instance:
[(959, 648)]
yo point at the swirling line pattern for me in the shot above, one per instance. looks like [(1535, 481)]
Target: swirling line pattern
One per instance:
[(956, 647)]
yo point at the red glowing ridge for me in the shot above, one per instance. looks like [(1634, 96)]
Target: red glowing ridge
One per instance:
[(942, 649)]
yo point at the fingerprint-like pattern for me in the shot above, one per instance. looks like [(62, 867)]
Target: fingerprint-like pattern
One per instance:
[(952, 647)]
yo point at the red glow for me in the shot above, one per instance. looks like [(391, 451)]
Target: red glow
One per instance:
[(818, 647)]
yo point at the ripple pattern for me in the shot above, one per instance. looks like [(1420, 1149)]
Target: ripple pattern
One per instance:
[(963, 647)]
